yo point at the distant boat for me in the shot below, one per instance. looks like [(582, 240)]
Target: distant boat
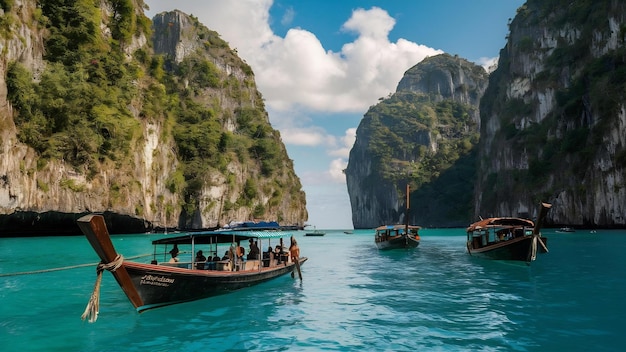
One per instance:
[(315, 232), (566, 229), (348, 232), (398, 236), (158, 284), (252, 225), (259, 226), (507, 238)]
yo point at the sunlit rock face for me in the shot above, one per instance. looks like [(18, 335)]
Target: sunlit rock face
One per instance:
[(553, 123)]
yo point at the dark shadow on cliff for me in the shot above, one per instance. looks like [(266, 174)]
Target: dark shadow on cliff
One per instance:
[(52, 223), (448, 200)]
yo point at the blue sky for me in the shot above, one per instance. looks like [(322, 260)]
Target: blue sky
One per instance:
[(321, 64)]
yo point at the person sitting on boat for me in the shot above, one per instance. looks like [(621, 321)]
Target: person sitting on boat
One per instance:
[(200, 260), (240, 253), (254, 250), (268, 257), (225, 257), (278, 253), (174, 258), (211, 261)]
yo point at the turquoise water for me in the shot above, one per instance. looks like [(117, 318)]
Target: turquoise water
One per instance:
[(352, 297)]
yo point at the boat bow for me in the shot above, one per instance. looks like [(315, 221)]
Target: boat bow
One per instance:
[(94, 228)]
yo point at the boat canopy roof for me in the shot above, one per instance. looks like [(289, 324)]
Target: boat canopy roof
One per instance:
[(397, 227), (253, 225), (500, 223), (211, 237)]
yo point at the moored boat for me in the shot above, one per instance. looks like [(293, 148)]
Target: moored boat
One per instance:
[(565, 229), (398, 236), (315, 232), (167, 282), (507, 238)]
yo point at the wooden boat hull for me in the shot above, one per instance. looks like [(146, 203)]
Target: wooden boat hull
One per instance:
[(398, 242), (396, 236), (159, 286), (508, 238), (517, 249)]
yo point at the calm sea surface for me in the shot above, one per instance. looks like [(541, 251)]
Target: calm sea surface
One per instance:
[(352, 297)]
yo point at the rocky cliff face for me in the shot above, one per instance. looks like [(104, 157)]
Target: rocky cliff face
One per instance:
[(145, 187), (554, 118), (417, 136), (446, 77)]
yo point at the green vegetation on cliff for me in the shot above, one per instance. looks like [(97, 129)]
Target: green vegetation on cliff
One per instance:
[(429, 143), (89, 103), (77, 109), (405, 127)]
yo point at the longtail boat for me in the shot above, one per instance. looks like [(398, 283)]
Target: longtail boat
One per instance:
[(398, 236), (508, 238), (172, 281), (315, 232)]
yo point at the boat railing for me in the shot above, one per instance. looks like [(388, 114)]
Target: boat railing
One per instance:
[(222, 265)]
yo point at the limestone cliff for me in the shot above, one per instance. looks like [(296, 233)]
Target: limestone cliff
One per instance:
[(153, 125), (554, 118), (423, 134)]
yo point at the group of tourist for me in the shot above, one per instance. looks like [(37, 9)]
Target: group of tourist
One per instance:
[(201, 260), (237, 253)]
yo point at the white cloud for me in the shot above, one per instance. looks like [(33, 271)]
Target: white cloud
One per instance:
[(347, 141), (305, 137), (374, 23), (488, 63), (336, 170), (333, 175), (296, 70)]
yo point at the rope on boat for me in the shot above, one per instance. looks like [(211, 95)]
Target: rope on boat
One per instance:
[(62, 268), (91, 311), (533, 250)]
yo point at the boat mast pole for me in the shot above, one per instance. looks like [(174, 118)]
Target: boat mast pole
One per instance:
[(408, 210)]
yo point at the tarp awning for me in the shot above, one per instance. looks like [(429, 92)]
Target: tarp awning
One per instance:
[(500, 222), (210, 237)]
